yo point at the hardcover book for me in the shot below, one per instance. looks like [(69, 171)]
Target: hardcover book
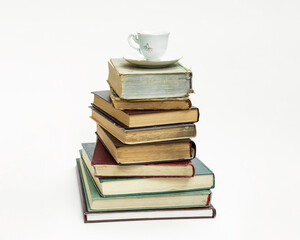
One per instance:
[(149, 104), (105, 166), (131, 82), (204, 179), (143, 118), (96, 201), (176, 150), (92, 216), (143, 134)]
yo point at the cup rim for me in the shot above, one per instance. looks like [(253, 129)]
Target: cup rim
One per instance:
[(151, 32)]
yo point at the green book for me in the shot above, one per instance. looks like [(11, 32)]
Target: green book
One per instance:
[(204, 179), (95, 201)]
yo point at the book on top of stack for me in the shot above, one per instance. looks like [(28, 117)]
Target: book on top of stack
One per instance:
[(131, 82), (143, 164)]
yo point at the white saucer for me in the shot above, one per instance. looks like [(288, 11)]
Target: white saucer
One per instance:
[(140, 61)]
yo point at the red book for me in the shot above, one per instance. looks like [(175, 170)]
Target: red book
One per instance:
[(104, 165)]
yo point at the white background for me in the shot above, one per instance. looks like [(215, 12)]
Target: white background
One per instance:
[(245, 60)]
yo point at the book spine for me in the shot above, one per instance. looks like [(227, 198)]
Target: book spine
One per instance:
[(192, 149), (214, 212), (194, 170), (189, 103), (198, 114), (191, 82), (208, 200)]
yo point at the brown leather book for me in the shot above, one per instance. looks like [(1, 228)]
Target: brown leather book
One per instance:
[(92, 216), (143, 118), (143, 134), (167, 151), (105, 165)]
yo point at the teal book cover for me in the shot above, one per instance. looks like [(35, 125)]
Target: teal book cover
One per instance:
[(96, 196)]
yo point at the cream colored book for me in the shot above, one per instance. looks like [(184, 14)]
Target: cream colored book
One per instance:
[(204, 179), (131, 82)]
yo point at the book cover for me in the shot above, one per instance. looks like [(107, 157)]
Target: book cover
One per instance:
[(93, 216), (187, 199), (143, 118), (105, 95), (176, 150), (100, 157), (204, 179), (143, 134), (124, 68), (130, 82), (149, 104)]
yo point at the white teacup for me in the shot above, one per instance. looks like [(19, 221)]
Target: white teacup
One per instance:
[(152, 45)]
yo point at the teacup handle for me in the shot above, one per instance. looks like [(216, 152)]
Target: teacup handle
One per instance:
[(135, 39)]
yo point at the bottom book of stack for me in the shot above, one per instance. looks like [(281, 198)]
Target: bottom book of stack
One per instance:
[(131, 207)]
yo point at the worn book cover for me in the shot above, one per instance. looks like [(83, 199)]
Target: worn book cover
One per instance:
[(143, 118), (204, 179), (185, 199), (176, 150), (143, 134), (105, 165), (130, 82), (134, 135), (92, 216), (149, 104)]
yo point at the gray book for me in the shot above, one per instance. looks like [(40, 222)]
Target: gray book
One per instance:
[(131, 82)]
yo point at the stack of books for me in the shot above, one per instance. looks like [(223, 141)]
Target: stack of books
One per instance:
[(143, 164)]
